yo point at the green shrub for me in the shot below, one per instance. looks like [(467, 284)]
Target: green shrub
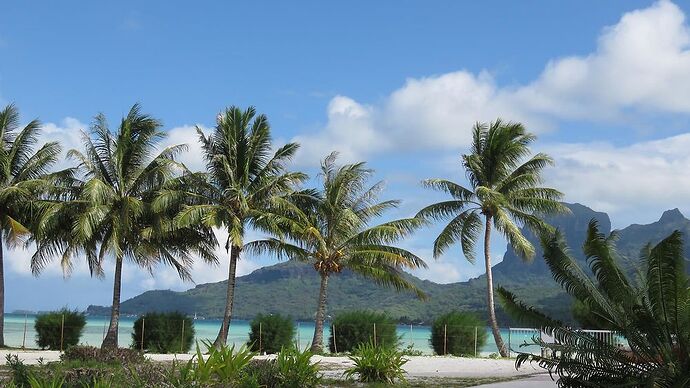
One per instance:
[(108, 356), (296, 369), (263, 372), (19, 372), (277, 332), (171, 332), (460, 329), (355, 328), (50, 330), (377, 364)]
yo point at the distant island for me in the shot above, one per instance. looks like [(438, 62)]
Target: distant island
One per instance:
[(290, 288)]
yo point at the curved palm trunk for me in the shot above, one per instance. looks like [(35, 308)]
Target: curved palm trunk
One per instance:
[(222, 338), (2, 297), (490, 291), (110, 340), (317, 341)]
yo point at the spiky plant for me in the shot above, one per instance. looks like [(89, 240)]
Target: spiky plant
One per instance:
[(108, 212), (652, 313), (24, 178), (330, 228), (244, 177), (504, 192)]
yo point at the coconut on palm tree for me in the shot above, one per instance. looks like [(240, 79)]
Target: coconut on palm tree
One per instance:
[(504, 191), (330, 228), (244, 177), (109, 213), (24, 177)]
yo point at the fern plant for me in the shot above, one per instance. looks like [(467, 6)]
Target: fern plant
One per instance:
[(652, 312)]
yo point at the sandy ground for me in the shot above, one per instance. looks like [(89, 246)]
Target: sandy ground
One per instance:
[(417, 366)]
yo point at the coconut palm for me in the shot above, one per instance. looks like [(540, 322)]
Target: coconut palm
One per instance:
[(504, 192), (242, 180), (24, 177), (110, 210), (330, 229), (652, 313)]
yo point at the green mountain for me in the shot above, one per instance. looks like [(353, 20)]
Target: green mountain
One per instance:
[(291, 287)]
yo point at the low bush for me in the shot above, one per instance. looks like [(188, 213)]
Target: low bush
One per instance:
[(109, 356), (270, 333), (457, 330), (262, 372), (171, 332), (376, 364), (59, 330), (296, 369), (354, 328)]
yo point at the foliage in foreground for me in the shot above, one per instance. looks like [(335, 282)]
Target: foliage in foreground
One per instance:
[(355, 328), (377, 364), (456, 333), (54, 333), (108, 356), (270, 333), (171, 332), (652, 313)]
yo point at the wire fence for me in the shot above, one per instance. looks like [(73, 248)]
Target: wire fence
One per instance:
[(474, 341)]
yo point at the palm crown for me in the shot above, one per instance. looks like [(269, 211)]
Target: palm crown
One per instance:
[(243, 181), (652, 313), (24, 178), (111, 213), (330, 228)]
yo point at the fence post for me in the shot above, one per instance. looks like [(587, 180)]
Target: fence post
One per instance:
[(475, 341), (181, 339), (445, 339), (143, 322), (299, 342), (24, 339), (260, 327), (374, 334), (335, 343), (411, 334), (509, 344), (103, 329), (62, 332)]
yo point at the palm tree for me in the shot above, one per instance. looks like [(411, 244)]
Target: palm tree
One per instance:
[(651, 312), (329, 228), (110, 211), (244, 177), (24, 177), (504, 191)]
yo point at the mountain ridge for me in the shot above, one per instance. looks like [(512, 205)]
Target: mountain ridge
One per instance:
[(291, 287)]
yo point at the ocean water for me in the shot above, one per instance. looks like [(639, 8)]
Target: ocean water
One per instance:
[(19, 331)]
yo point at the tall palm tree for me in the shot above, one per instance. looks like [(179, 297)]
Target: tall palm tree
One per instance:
[(504, 191), (24, 176), (111, 214), (651, 311), (330, 229), (243, 178)]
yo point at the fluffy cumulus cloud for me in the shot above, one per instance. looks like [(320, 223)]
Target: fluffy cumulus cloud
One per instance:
[(633, 183), (639, 67)]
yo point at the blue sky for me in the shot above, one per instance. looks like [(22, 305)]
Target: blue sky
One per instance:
[(605, 85)]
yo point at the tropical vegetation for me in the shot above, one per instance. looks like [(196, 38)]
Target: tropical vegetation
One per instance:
[(271, 333), (108, 209), (457, 333), (59, 330), (244, 180), (329, 228), (651, 311), (504, 192), (24, 178), (171, 332), (351, 329)]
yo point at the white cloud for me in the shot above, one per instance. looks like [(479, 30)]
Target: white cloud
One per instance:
[(634, 183), (640, 65)]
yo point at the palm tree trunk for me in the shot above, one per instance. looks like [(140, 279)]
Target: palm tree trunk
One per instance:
[(222, 338), (490, 291), (317, 341), (2, 297), (110, 340)]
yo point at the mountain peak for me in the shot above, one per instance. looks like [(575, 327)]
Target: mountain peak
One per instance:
[(672, 215)]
